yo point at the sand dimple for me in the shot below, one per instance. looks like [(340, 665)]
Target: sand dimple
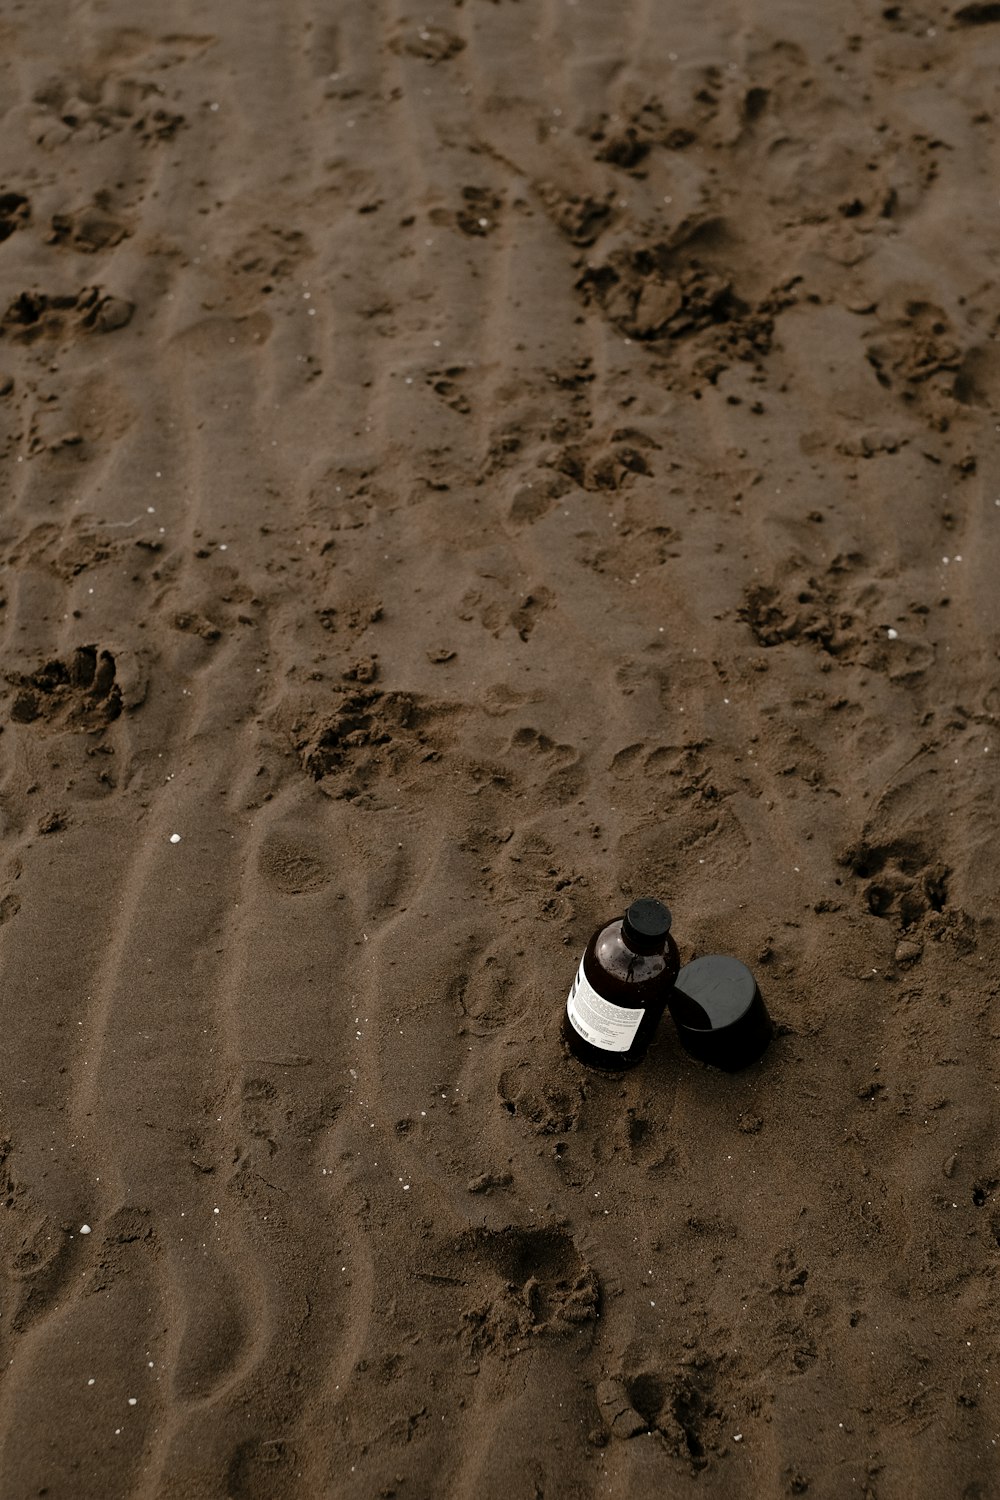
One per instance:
[(292, 867)]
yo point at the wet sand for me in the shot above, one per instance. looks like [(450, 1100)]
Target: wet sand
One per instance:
[(463, 468)]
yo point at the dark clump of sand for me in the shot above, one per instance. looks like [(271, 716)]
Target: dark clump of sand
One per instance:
[(462, 468)]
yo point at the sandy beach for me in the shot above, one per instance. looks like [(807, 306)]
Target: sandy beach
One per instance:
[(462, 468)]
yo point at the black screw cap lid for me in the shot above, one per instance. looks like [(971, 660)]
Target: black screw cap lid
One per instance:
[(719, 1012), (647, 920)]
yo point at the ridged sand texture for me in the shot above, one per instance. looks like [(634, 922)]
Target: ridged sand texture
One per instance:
[(462, 467)]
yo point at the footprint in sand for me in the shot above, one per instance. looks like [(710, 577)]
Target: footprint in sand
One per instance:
[(368, 738), (527, 1282), (681, 1409), (80, 693), (60, 316), (550, 1107)]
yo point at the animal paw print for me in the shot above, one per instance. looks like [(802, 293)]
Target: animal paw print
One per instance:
[(646, 302), (87, 229), (680, 1410), (810, 613), (549, 1108), (94, 110), (81, 694), (903, 882), (533, 1282), (917, 354), (445, 383), (665, 292), (558, 764), (627, 141), (37, 315), (605, 466), (370, 736), (492, 608), (581, 219)]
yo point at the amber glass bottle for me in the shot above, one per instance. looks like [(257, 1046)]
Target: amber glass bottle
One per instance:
[(621, 988)]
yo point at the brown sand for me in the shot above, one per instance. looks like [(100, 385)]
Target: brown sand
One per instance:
[(463, 466)]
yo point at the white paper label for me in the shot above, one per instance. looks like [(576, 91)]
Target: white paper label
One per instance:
[(598, 1022)]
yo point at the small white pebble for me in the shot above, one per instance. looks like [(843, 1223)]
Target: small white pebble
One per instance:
[(892, 634), (131, 1401), (84, 1228), (175, 838), (91, 1380), (737, 1437)]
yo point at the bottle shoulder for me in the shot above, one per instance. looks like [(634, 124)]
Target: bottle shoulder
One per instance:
[(611, 959)]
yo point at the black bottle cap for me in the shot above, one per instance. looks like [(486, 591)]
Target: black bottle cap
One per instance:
[(647, 921), (719, 1012)]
